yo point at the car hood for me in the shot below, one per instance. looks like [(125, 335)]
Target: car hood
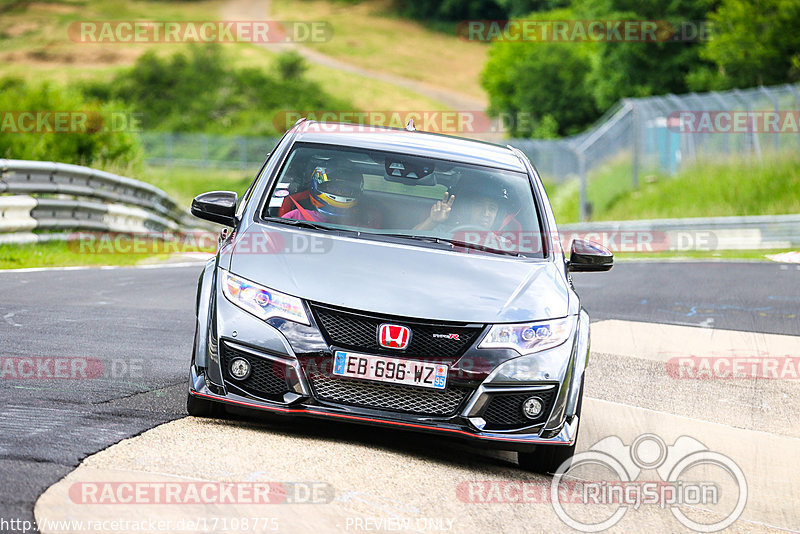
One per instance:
[(397, 279)]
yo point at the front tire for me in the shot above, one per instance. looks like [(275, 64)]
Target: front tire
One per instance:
[(197, 407), (546, 459)]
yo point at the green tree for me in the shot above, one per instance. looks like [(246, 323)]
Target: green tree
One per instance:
[(540, 86), (450, 10), (754, 42), (106, 136), (644, 68), (200, 91), (519, 8)]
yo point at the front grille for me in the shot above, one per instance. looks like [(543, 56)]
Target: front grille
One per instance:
[(388, 396), (267, 377), (359, 331), (504, 410)]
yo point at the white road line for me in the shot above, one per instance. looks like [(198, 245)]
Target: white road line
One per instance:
[(693, 419), (9, 320), (663, 342), (105, 267)]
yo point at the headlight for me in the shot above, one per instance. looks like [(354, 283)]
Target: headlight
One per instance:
[(262, 302), (527, 338)]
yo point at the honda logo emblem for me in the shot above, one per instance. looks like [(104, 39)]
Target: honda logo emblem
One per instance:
[(394, 336)]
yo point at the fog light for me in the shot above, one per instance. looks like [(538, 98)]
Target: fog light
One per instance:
[(532, 407), (240, 368)]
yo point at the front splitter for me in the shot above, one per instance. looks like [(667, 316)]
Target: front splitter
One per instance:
[(510, 442)]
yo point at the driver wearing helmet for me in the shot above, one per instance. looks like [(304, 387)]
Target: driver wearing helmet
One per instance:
[(335, 196), (480, 205)]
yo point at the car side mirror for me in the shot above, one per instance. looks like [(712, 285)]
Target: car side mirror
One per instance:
[(587, 256), (216, 206)]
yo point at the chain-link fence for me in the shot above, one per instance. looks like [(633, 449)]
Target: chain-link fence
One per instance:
[(202, 150), (662, 133), (637, 136)]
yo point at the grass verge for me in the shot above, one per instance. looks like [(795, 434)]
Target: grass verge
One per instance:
[(734, 187), (185, 183), (671, 255), (63, 254), (717, 188), (367, 35), (35, 45)]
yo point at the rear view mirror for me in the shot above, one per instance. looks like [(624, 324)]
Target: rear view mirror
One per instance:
[(216, 206), (409, 170), (587, 256)]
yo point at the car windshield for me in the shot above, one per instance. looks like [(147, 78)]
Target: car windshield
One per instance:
[(383, 195)]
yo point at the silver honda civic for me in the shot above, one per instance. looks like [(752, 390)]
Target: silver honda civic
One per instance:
[(393, 277)]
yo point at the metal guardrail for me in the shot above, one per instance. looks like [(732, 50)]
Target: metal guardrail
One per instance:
[(52, 197), (706, 233)]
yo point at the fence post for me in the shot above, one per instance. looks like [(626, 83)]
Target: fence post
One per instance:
[(725, 137), (753, 138), (636, 142), (170, 159), (582, 211), (776, 106), (796, 95)]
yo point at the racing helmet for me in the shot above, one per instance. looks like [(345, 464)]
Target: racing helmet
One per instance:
[(484, 188), (472, 188), (333, 194)]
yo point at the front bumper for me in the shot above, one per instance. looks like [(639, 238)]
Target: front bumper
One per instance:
[(305, 407), (291, 346)]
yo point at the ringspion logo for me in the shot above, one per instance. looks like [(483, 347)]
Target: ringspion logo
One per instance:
[(684, 476)]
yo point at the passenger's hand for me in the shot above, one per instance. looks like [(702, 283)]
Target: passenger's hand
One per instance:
[(441, 210)]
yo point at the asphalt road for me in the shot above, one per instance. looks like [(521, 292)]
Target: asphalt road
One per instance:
[(137, 323), (129, 330), (753, 296)]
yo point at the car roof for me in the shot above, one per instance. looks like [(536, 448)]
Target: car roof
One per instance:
[(414, 142)]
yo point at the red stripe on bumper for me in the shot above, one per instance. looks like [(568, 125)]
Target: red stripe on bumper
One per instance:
[(369, 419)]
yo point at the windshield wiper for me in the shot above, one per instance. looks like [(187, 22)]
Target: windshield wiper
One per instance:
[(299, 223), (482, 248), (454, 243), (425, 238)]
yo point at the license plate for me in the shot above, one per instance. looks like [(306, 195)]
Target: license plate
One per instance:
[(392, 370)]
